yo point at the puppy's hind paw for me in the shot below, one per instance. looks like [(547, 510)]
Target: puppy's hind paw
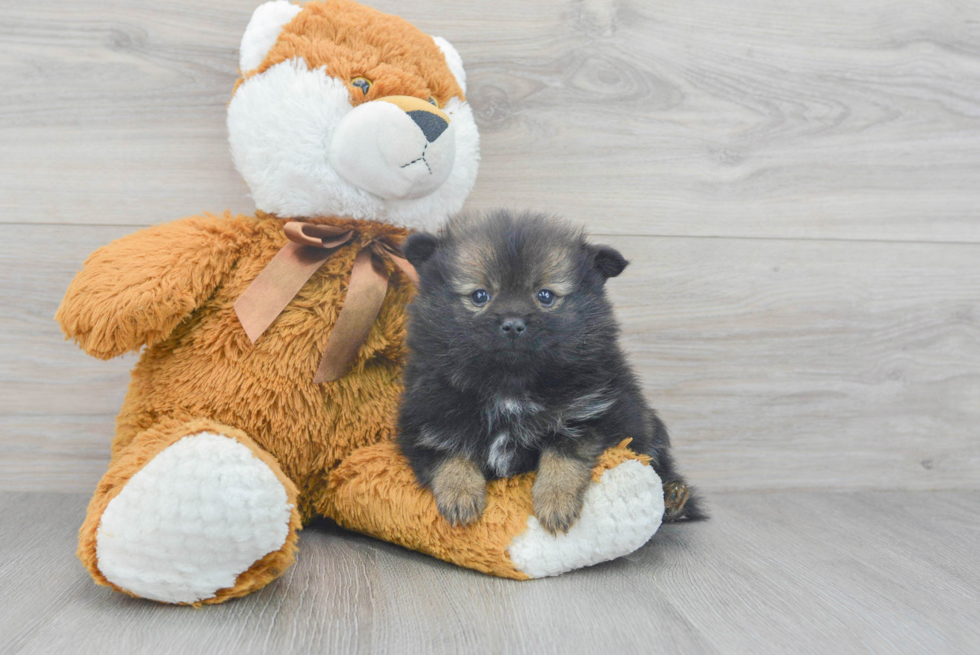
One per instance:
[(682, 503), (676, 495)]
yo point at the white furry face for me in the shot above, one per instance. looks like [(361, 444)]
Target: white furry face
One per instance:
[(304, 151)]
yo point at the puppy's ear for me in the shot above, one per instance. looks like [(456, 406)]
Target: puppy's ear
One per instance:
[(607, 261), (419, 247)]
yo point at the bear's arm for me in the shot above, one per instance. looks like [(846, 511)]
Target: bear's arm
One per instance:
[(136, 290)]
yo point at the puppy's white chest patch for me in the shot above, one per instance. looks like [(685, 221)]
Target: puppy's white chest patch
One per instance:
[(500, 457), (504, 408), (514, 423)]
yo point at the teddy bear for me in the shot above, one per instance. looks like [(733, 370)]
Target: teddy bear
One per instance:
[(268, 384)]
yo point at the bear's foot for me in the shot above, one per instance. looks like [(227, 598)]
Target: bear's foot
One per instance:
[(622, 510), (206, 518), (374, 491)]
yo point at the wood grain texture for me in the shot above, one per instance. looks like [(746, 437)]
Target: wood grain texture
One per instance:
[(776, 364), (776, 573), (821, 364), (814, 361), (769, 119)]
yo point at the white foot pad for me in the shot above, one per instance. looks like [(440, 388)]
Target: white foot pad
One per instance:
[(195, 517), (621, 512)]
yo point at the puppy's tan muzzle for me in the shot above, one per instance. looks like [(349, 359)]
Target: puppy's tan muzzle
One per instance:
[(430, 119)]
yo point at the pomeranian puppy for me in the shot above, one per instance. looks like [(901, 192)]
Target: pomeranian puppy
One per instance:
[(515, 366)]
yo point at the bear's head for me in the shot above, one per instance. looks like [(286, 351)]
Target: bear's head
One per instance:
[(344, 111)]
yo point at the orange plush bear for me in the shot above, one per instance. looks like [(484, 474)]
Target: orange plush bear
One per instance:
[(267, 391)]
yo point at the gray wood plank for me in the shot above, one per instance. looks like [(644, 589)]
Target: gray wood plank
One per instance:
[(776, 364), (768, 119), (800, 572), (840, 573), (810, 364)]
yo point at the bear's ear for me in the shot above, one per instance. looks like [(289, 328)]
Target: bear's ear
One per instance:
[(607, 261), (262, 32), (453, 59), (419, 248)]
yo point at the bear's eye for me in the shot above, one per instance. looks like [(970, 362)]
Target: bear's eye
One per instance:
[(546, 297), (362, 83), (480, 297), (432, 101)]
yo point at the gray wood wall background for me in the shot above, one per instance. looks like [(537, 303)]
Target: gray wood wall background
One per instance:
[(797, 184)]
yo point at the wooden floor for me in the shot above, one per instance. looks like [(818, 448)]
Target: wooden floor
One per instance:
[(781, 573), (797, 185)]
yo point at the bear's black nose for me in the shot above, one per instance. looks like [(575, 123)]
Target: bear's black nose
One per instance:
[(431, 125), (513, 327)]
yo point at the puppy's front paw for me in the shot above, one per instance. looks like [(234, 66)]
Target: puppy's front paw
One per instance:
[(461, 507), (559, 490), (557, 509), (460, 490)]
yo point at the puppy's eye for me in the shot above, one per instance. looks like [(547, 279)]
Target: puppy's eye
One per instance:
[(432, 101), (480, 297), (546, 297), (362, 83)]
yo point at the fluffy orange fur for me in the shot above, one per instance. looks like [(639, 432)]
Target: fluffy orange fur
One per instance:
[(173, 287), (352, 40), (374, 491)]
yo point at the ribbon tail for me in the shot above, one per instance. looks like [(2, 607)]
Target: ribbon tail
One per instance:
[(385, 249), (365, 294), (405, 267), (276, 286)]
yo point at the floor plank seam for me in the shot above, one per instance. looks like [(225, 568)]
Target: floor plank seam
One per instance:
[(611, 235)]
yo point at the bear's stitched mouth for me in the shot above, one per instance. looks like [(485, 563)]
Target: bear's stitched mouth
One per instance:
[(420, 159)]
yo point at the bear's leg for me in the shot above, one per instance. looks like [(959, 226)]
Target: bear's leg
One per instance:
[(190, 513), (374, 491)]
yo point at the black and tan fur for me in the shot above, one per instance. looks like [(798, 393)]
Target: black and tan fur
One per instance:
[(518, 379)]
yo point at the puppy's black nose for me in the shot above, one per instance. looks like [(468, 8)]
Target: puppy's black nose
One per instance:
[(430, 124), (513, 327)]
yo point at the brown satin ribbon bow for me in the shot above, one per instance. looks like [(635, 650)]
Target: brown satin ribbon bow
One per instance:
[(309, 246)]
